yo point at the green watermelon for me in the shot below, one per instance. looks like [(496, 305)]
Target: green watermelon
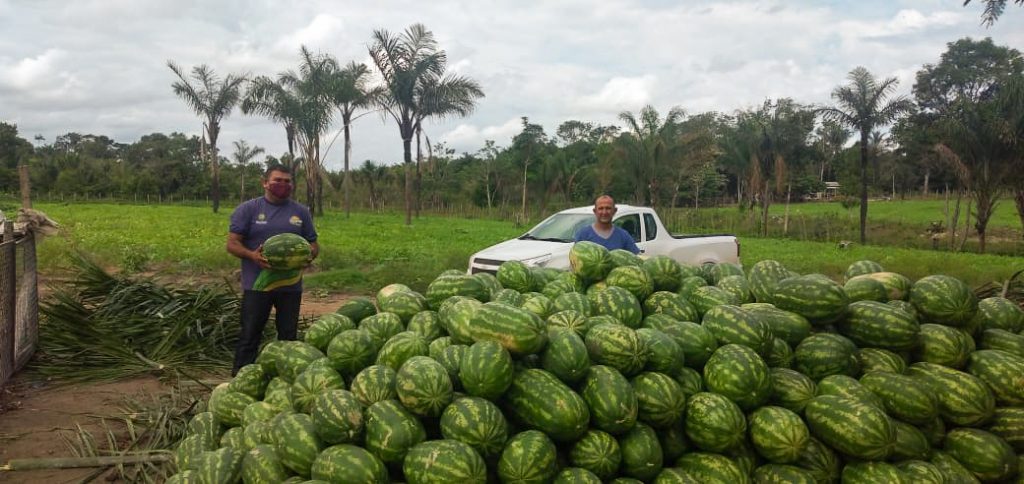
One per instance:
[(642, 456), (559, 287), (905, 398), (789, 326), (351, 351), (850, 426), (221, 466), (338, 417), (529, 457), (878, 325), (664, 355), (617, 346), (814, 297), (400, 348), (773, 473), (455, 315), (897, 286), (670, 304), (476, 422), (875, 359), (921, 471), (951, 469), (665, 272), (738, 287), (622, 257), (612, 401), (565, 355), (619, 303), (508, 296), (357, 309), (348, 463), (633, 279), (427, 324), (391, 431), (574, 301), (697, 343), (998, 339), (294, 359), (998, 313), (541, 401), (740, 374), (823, 354), (423, 386), (873, 473), (860, 268), (597, 452), (311, 383), (455, 285), (714, 423), (227, 405), (791, 389), (866, 289), (986, 455), (515, 275), (262, 464), (437, 461), (1008, 423), (325, 328), (911, 443), (780, 356), (538, 304), (403, 303), (778, 434), (820, 460), (708, 468), (674, 442), (576, 475), (732, 325), (251, 380), (661, 400), (764, 276), (590, 261), (382, 326), (570, 319), (373, 384), (688, 284), (1002, 371), (518, 330), (964, 399), (286, 251), (944, 300), (297, 441), (704, 298), (944, 346), (486, 370)]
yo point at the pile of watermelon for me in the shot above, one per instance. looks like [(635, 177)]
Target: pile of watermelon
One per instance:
[(632, 370)]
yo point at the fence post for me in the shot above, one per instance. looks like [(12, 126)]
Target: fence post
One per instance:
[(8, 281)]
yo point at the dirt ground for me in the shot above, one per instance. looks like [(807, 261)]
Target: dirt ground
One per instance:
[(34, 415)]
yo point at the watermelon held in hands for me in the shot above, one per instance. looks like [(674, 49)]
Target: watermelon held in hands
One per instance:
[(287, 251)]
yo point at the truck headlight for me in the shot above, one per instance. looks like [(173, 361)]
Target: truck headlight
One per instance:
[(538, 261)]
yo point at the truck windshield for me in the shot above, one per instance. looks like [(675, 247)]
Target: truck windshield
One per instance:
[(559, 227)]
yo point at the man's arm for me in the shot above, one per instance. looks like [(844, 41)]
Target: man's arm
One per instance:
[(237, 249), (314, 250)]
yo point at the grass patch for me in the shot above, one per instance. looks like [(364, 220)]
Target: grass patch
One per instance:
[(367, 251)]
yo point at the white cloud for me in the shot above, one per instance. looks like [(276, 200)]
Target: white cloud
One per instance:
[(321, 31), (619, 93), (468, 137)]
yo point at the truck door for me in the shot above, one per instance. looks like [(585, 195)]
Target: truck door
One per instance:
[(631, 224)]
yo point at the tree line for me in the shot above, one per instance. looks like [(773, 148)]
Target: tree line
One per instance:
[(960, 131)]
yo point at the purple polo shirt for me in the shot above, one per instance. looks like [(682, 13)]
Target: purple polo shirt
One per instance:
[(257, 220)]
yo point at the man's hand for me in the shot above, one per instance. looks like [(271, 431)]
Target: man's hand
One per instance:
[(257, 257)]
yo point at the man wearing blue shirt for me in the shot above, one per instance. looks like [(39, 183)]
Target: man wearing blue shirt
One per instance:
[(603, 232)]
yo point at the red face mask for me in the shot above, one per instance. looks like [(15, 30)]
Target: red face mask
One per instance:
[(280, 190)]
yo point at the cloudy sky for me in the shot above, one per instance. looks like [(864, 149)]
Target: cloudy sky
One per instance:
[(99, 66)]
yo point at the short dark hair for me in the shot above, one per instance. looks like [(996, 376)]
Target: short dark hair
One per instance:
[(276, 167), (604, 196)]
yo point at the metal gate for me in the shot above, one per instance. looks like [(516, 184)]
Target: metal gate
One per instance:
[(19, 301)]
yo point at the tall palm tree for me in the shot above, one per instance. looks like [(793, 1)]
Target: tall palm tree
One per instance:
[(349, 93), (413, 69), (311, 83), (271, 98), (863, 105), (243, 155), (646, 147), (212, 98)]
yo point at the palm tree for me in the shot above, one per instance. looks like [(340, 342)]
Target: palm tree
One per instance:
[(415, 87), (993, 10), (646, 146), (349, 93), (212, 98), (276, 101), (311, 83), (243, 155), (863, 106), (832, 137)]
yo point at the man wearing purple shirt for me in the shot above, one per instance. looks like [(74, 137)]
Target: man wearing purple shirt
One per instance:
[(603, 232), (252, 223)]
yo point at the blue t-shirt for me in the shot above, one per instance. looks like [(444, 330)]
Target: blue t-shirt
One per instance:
[(257, 220), (619, 239)]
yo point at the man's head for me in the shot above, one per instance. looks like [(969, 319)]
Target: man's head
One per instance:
[(604, 209), (277, 182)]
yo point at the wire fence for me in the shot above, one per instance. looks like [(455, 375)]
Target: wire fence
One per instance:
[(19, 301)]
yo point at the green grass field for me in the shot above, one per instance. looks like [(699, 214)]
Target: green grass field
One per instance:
[(367, 251), (920, 212)]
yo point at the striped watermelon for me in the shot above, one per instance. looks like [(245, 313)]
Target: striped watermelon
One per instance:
[(590, 261), (952, 470), (325, 328), (665, 272), (664, 355), (848, 387), (670, 304), (778, 434), (704, 298), (860, 268), (660, 399), (351, 351), (286, 251), (426, 324), (294, 359), (576, 475), (540, 401), (456, 315), (673, 442), (227, 405), (297, 442), (529, 457), (423, 386), (764, 276), (508, 296), (814, 297), (311, 383), (437, 461), (613, 402), (597, 452), (570, 319), (558, 287), (403, 303), (223, 465), (875, 359), (357, 309), (897, 286), (574, 301), (791, 389), (732, 325), (878, 325), (382, 326), (1008, 423), (518, 330), (850, 426), (207, 425), (714, 423), (1002, 371), (738, 373), (824, 354), (477, 422), (566, 356), (455, 285), (538, 304), (998, 313), (348, 463), (708, 468), (911, 443), (998, 339), (191, 448), (905, 398), (486, 370), (642, 457), (873, 473), (622, 257), (986, 455), (772, 473), (964, 399), (697, 343), (780, 356), (715, 272), (820, 460), (338, 416), (400, 348), (789, 326), (866, 289), (737, 287), (617, 346), (619, 303), (490, 281), (451, 359), (921, 471), (374, 384), (690, 380), (279, 395), (262, 464), (944, 300), (944, 346), (688, 284), (391, 431), (633, 279)]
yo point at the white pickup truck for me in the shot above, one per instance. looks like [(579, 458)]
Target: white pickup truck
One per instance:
[(548, 244)]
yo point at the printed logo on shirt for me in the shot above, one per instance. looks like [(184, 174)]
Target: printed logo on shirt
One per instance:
[(295, 220), (261, 219)]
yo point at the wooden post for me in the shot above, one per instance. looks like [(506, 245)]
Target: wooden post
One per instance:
[(26, 195), (10, 292)]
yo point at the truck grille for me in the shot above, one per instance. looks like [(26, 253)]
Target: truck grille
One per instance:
[(489, 266)]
